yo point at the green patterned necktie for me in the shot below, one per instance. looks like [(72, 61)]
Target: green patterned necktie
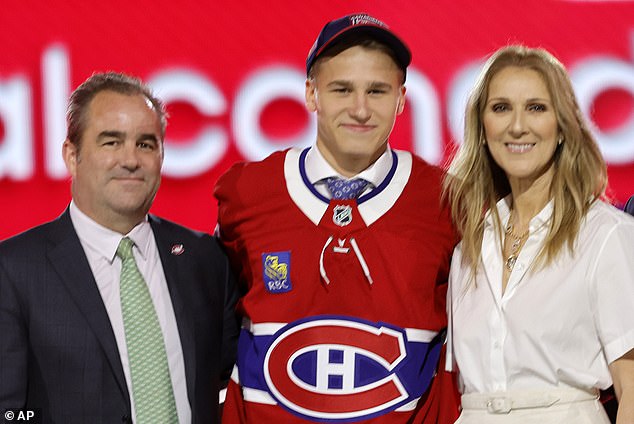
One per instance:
[(151, 384)]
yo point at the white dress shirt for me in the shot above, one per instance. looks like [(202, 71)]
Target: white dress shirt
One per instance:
[(100, 245), (557, 327), (317, 169)]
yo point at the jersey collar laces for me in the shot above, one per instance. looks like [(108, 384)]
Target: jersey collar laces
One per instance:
[(357, 252)]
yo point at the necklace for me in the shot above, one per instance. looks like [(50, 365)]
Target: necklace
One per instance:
[(516, 245)]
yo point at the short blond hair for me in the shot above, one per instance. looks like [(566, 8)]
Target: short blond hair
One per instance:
[(355, 40)]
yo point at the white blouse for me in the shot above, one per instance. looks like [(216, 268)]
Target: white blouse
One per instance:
[(557, 327)]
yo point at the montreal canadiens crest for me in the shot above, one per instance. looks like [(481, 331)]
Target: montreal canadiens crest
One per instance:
[(342, 215), (336, 369)]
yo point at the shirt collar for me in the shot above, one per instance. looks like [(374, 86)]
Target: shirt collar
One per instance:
[(504, 210), (103, 240), (317, 168)]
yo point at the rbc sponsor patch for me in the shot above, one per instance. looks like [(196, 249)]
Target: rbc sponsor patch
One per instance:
[(276, 269)]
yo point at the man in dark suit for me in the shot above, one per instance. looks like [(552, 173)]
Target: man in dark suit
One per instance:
[(108, 314), (629, 206)]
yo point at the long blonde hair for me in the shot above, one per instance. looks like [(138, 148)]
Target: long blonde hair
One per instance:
[(475, 183)]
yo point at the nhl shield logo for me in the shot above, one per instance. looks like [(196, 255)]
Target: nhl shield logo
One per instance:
[(342, 215)]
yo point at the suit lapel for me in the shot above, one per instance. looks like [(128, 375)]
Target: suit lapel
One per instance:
[(67, 257), (175, 273)]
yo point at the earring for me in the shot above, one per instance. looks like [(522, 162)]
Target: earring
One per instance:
[(560, 139)]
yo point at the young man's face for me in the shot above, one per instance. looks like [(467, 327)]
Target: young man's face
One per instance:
[(357, 96)]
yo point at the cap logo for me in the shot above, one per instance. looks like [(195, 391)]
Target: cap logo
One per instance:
[(366, 19)]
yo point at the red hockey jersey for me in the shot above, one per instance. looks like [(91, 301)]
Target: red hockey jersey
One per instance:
[(343, 300)]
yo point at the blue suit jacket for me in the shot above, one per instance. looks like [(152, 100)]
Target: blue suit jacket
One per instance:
[(58, 353), (629, 206)]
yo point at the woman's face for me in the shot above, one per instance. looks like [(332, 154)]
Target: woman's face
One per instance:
[(520, 125)]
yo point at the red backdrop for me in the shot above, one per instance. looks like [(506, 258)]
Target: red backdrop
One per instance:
[(232, 74)]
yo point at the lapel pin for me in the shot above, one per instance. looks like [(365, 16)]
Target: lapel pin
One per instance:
[(177, 249)]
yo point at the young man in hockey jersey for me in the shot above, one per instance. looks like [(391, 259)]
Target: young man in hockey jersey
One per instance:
[(343, 252)]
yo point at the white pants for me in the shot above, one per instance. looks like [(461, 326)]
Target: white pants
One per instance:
[(561, 406)]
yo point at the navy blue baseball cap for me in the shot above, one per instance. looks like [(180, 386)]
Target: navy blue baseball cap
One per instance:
[(363, 24)]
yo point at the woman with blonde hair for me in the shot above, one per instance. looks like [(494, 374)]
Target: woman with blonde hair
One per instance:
[(541, 297)]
